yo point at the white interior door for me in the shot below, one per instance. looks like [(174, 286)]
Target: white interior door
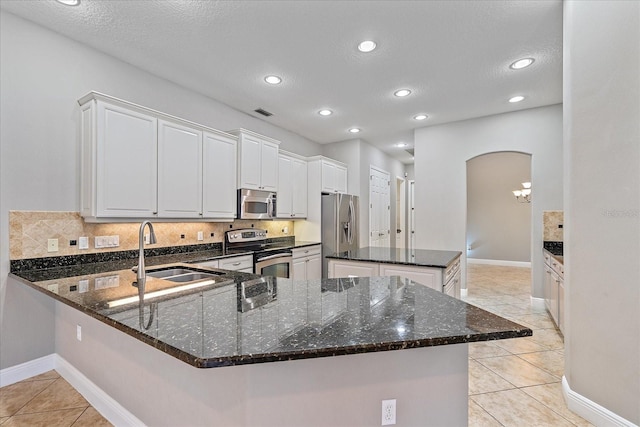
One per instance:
[(412, 219), (379, 208), (400, 213)]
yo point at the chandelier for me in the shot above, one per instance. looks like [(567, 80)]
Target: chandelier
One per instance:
[(523, 195)]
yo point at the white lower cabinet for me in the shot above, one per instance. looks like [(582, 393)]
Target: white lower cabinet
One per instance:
[(554, 289), (430, 277), (339, 268), (307, 263), (243, 263)]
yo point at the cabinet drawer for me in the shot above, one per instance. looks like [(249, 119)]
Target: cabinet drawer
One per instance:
[(306, 251), (212, 264), (237, 263)]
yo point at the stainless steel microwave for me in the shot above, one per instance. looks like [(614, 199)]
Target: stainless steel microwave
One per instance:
[(256, 204)]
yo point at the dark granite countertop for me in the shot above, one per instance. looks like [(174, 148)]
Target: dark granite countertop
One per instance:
[(316, 318), (415, 257), (555, 249)]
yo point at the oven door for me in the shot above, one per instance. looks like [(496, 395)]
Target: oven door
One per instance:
[(276, 265)]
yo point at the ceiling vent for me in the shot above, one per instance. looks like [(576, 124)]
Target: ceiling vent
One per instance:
[(263, 112), (410, 151)]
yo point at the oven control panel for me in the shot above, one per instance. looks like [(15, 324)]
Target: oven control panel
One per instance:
[(246, 235)]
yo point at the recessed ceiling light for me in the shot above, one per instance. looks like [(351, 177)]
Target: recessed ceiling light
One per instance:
[(69, 2), (273, 80), (402, 92), (354, 130), (516, 99), (420, 117), (325, 112), (367, 46), (521, 63)]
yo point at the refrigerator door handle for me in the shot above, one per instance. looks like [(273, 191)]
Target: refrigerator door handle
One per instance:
[(351, 220)]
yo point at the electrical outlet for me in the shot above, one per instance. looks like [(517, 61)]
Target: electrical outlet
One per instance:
[(83, 243), (200, 235), (389, 412), (79, 332), (52, 245), (73, 242)]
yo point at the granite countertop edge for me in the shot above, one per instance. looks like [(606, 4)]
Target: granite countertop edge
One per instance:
[(236, 360)]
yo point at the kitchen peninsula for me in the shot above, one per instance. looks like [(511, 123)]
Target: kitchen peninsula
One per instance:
[(135, 352)]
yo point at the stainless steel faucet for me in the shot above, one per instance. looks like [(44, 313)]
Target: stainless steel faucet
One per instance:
[(142, 275)]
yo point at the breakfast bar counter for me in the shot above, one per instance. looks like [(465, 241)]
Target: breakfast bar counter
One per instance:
[(391, 338)]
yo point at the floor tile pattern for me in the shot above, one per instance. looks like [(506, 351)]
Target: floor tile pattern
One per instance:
[(515, 382), (512, 383), (46, 400)]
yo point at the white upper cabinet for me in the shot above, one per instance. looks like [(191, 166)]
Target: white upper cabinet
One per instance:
[(140, 163), (120, 162), (257, 161), (219, 172), (332, 175), (292, 187), (179, 171)]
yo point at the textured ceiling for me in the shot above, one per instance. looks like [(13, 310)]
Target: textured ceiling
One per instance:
[(453, 55)]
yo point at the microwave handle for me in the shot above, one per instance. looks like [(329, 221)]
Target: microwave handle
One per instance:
[(271, 207)]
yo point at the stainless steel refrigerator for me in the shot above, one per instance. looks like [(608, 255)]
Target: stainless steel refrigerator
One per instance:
[(340, 222)]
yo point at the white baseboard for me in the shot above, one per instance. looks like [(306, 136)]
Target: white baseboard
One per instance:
[(17, 373), (538, 303), (590, 410), (114, 412), (503, 263)]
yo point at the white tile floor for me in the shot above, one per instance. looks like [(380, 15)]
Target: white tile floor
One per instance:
[(515, 382)]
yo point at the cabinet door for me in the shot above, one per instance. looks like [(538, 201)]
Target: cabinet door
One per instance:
[(285, 186), (341, 179), (430, 277), (179, 171), (299, 190), (561, 304), (352, 269), (314, 267), (269, 166), (328, 172), (219, 176), (127, 161), (250, 159), (299, 270)]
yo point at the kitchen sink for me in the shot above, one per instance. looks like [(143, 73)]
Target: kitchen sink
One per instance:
[(182, 274)]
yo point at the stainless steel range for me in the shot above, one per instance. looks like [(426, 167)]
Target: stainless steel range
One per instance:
[(269, 259)]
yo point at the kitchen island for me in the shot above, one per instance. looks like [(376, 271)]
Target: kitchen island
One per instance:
[(135, 352), (439, 270)]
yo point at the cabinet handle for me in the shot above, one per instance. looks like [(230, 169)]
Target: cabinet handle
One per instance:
[(201, 214), (236, 263), (155, 213)]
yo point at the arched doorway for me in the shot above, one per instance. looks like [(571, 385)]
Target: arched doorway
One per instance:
[(498, 225)]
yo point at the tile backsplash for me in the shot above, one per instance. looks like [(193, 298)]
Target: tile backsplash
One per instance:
[(553, 222), (30, 230)]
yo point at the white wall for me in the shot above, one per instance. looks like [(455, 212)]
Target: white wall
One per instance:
[(42, 76), (441, 153), (602, 203), (498, 226)]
